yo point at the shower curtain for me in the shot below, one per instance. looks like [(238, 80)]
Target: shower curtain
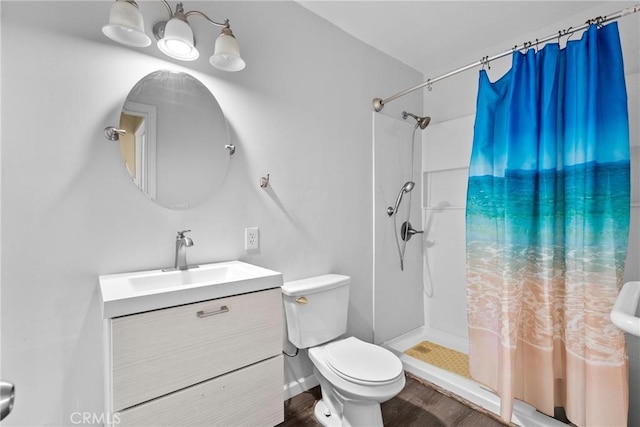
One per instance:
[(547, 227)]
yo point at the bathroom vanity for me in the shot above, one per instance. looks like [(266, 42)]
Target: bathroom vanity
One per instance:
[(213, 357)]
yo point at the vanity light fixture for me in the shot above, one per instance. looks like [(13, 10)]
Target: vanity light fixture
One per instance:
[(126, 25), (175, 36)]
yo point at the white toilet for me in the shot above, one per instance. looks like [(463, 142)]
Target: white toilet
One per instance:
[(355, 377)]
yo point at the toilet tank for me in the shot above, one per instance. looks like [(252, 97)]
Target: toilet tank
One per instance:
[(316, 309)]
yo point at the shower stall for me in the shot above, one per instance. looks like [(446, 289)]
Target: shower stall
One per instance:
[(426, 301)]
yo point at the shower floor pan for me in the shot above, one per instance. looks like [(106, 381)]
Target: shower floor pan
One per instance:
[(523, 414)]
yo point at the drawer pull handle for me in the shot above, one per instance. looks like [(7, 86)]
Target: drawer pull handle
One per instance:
[(223, 309)]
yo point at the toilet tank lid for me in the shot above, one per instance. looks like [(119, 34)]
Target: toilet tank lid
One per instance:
[(314, 284)]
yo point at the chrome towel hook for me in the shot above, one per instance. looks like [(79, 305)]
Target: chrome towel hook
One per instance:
[(264, 181)]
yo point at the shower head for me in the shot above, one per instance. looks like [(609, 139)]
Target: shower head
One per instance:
[(407, 187), (422, 122)]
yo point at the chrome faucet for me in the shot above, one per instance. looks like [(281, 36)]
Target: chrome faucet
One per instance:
[(182, 243)]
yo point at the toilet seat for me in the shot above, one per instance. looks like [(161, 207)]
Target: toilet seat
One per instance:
[(362, 363)]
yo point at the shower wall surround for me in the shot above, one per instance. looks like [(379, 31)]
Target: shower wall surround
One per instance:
[(397, 293), (69, 212)]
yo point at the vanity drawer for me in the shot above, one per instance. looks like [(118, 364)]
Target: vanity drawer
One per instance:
[(252, 396), (158, 352)]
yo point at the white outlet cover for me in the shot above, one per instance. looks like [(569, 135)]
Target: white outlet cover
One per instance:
[(251, 238)]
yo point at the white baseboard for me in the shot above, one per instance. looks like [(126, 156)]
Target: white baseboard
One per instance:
[(298, 386)]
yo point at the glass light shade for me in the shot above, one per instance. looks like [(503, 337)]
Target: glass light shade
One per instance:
[(178, 41), (226, 55), (126, 25)]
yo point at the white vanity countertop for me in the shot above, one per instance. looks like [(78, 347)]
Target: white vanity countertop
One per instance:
[(128, 293)]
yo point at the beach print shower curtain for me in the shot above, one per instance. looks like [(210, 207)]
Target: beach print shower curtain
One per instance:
[(547, 227)]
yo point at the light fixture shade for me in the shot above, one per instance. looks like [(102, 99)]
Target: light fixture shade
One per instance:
[(226, 55), (126, 25), (178, 41)]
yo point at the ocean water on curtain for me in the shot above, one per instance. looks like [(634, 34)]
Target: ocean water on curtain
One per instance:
[(536, 234)]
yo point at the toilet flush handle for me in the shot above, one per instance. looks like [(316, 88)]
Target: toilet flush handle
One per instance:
[(301, 300)]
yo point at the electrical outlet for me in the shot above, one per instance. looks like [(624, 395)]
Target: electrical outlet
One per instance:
[(251, 238)]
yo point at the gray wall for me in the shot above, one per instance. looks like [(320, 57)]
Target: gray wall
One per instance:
[(300, 111)]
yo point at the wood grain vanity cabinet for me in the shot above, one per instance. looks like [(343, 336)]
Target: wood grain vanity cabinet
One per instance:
[(215, 362)]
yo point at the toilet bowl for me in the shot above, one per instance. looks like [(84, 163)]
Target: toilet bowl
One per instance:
[(355, 376)]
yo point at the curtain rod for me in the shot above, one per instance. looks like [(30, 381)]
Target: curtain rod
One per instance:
[(378, 104)]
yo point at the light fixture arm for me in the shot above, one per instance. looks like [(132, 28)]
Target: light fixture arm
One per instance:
[(180, 10), (224, 24), (166, 4), (158, 29), (132, 3)]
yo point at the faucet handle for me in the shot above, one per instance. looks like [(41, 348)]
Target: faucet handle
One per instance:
[(181, 234)]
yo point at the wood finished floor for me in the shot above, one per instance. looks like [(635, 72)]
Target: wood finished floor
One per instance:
[(416, 405)]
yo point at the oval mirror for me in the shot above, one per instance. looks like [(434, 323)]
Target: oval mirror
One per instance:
[(176, 142)]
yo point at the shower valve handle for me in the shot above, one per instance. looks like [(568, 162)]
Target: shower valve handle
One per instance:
[(407, 231)]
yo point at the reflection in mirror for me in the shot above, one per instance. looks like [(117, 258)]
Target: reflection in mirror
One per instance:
[(176, 136)]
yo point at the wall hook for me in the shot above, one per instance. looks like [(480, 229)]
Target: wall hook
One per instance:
[(113, 134), (264, 181)]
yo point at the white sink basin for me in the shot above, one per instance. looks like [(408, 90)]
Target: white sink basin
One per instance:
[(128, 293), (623, 313)]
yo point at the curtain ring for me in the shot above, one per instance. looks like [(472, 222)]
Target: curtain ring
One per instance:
[(598, 20), (564, 32), (568, 30), (485, 61)]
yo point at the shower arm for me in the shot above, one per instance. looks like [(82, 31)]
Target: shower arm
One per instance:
[(421, 122)]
